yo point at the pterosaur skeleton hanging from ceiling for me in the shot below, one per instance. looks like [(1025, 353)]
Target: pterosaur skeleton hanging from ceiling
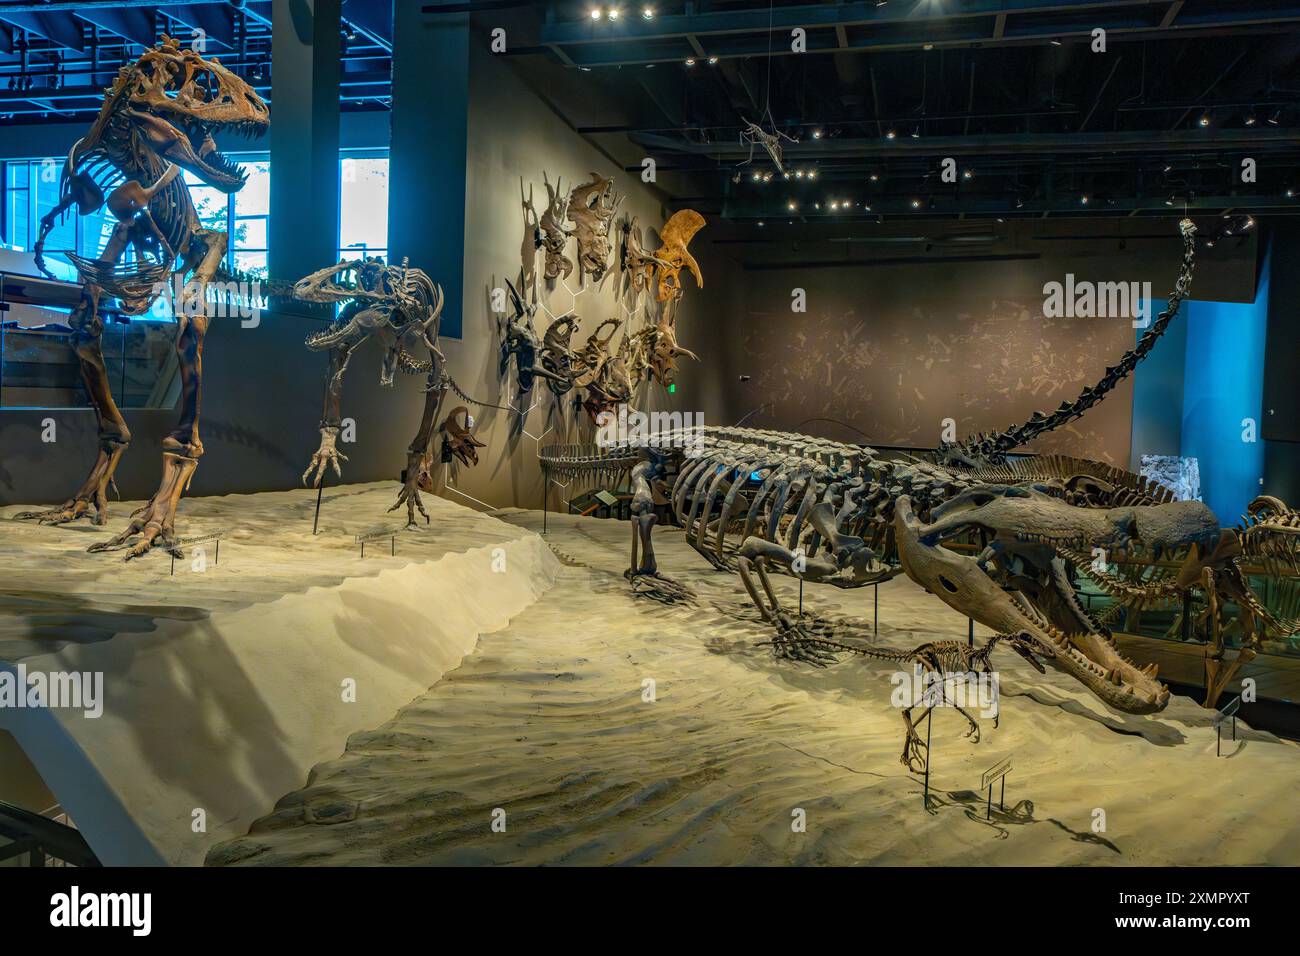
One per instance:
[(761, 501), (158, 117), (754, 135)]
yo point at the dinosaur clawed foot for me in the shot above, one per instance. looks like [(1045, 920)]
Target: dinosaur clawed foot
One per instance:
[(154, 524), (914, 752), (793, 643), (659, 588), (71, 510)]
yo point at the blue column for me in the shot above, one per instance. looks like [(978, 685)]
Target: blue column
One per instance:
[(427, 161)]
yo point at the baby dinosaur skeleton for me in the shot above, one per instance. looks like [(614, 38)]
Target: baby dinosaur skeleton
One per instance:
[(160, 114), (843, 515)]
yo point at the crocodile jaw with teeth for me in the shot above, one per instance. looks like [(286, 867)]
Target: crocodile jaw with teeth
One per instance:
[(1053, 616)]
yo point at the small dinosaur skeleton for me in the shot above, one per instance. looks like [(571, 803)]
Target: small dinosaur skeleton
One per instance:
[(844, 515), (158, 117), (402, 307)]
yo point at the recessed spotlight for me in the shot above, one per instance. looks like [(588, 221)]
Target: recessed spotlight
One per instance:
[(786, 174), (798, 174), (916, 204), (891, 134), (874, 178), (1083, 200), (690, 61), (792, 205), (928, 46), (817, 134), (595, 13), (968, 174), (1203, 121), (761, 224), (648, 13), (812, 174), (758, 177), (1290, 194), (712, 60)]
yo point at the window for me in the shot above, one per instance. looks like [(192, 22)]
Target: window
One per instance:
[(39, 370)]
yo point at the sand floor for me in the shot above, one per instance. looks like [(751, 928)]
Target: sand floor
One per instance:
[(545, 730)]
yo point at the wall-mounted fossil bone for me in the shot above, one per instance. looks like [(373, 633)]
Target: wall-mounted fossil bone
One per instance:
[(591, 210), (456, 438), (672, 254), (551, 234)]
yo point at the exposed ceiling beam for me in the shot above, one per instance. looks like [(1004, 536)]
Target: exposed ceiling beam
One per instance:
[(375, 20), (217, 21), (135, 24), (58, 27), (1193, 140), (862, 27)]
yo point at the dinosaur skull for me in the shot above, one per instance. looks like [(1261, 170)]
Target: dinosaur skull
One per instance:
[(672, 255), (1019, 585), (176, 100)]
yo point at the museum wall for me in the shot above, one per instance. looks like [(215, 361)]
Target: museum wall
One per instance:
[(892, 350), (513, 134)]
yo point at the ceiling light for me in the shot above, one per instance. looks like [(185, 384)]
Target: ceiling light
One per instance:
[(613, 13), (786, 174), (812, 174), (1083, 200), (968, 174), (798, 173), (874, 178), (1055, 42), (1276, 118), (1203, 121), (761, 224), (595, 13), (928, 46), (1251, 118), (690, 61), (757, 176), (891, 134), (916, 204), (916, 132), (817, 134), (648, 13), (712, 60), (792, 205)]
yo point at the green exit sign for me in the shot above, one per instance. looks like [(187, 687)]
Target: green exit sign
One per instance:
[(672, 388)]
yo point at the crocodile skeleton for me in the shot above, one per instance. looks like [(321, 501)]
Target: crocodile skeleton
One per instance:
[(755, 501)]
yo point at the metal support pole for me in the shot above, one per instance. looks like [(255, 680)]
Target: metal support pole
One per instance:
[(320, 490)]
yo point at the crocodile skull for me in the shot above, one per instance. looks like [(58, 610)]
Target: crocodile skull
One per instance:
[(1019, 584)]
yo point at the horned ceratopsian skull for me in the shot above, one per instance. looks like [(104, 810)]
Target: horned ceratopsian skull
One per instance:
[(591, 209), (672, 254), (175, 100)]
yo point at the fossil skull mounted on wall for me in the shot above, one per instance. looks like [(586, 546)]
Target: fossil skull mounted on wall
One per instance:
[(638, 263), (591, 210), (551, 234), (672, 255)]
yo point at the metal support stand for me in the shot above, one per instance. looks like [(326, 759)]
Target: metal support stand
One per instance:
[(970, 632), (875, 611), (801, 597), (929, 719), (546, 493), (320, 490), (1002, 799)]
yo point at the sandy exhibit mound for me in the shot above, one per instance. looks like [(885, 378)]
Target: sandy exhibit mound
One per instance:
[(546, 746)]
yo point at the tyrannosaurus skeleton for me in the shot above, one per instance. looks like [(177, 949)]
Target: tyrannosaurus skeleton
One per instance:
[(160, 114)]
